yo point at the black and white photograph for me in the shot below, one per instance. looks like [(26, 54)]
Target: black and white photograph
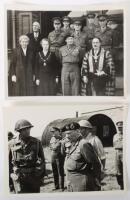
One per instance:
[(65, 52), (65, 148)]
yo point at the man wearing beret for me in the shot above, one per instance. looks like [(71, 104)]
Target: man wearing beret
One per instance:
[(118, 145), (80, 38), (70, 56), (82, 165), (91, 27), (57, 159), (104, 32)]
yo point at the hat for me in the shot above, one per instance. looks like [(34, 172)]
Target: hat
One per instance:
[(56, 20), (102, 17), (78, 22), (66, 18), (70, 127), (53, 129), (85, 123), (119, 124), (91, 15)]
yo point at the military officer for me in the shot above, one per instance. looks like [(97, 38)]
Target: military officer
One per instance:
[(104, 32), (80, 38), (91, 27), (66, 25), (27, 159), (118, 145), (57, 159), (70, 56), (56, 37), (82, 165)]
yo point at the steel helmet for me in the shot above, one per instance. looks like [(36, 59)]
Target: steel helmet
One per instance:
[(22, 124), (85, 123)]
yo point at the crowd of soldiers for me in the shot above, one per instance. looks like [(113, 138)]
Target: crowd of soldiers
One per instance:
[(73, 60), (77, 158)]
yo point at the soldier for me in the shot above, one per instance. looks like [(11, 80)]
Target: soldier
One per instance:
[(27, 159), (56, 37), (82, 165), (70, 56), (66, 25), (118, 145), (80, 38), (90, 28), (57, 159), (98, 71), (104, 32), (95, 142)]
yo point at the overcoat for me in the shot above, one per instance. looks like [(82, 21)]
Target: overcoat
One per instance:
[(22, 67)]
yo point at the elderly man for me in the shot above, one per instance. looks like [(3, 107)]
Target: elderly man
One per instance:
[(82, 165), (27, 159), (57, 159), (118, 145), (21, 69), (98, 71), (35, 38), (70, 57)]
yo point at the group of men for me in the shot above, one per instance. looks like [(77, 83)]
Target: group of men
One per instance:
[(77, 158), (85, 63)]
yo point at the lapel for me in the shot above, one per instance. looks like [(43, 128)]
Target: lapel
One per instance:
[(73, 148)]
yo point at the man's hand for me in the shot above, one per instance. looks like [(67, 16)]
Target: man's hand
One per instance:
[(57, 80), (14, 79), (85, 79), (37, 82)]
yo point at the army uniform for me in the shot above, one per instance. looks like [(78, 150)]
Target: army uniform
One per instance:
[(70, 73), (25, 161), (80, 161), (28, 162), (118, 145), (104, 33), (57, 161), (106, 37), (67, 30)]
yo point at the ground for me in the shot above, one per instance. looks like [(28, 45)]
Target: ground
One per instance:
[(108, 183)]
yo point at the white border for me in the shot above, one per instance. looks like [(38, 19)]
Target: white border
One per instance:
[(73, 7)]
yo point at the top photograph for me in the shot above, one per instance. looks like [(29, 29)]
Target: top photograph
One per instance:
[(65, 53)]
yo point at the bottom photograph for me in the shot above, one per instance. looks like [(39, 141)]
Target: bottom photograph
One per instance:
[(64, 148)]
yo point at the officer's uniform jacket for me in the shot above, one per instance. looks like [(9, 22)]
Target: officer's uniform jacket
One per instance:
[(90, 30), (82, 158), (81, 40), (56, 39), (102, 62), (67, 31), (26, 155), (70, 56), (106, 37)]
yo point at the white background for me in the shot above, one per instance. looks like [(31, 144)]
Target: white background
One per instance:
[(2, 96)]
